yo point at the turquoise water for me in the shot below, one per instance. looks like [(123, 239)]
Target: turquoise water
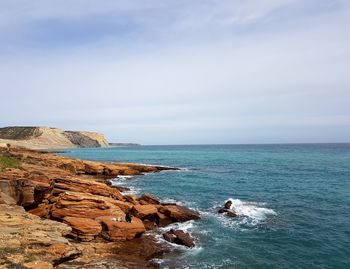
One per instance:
[(293, 201)]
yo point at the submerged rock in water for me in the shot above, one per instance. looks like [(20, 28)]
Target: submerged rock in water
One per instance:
[(227, 212), (179, 237)]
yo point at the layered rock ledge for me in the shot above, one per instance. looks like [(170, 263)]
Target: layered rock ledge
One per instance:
[(62, 212)]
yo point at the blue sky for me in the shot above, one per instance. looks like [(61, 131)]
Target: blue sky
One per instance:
[(179, 72)]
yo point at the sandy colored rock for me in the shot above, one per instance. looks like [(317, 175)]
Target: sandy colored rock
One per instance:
[(119, 231), (25, 238), (143, 211), (178, 213), (74, 195), (44, 137), (83, 229), (86, 186), (149, 199), (38, 265), (164, 220), (43, 210), (84, 205)]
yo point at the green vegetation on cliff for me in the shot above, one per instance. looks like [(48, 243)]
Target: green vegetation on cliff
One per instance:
[(8, 162)]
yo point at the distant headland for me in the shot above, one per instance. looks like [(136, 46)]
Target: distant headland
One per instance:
[(46, 137)]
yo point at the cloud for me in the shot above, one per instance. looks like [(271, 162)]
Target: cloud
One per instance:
[(179, 71)]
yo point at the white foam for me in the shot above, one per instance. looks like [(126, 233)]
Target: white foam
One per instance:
[(124, 176), (170, 201), (131, 190), (188, 227), (185, 226), (252, 210)]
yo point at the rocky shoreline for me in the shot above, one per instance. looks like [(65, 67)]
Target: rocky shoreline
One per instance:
[(62, 212)]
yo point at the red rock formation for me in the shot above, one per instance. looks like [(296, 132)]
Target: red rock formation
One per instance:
[(83, 229), (143, 211), (178, 213), (74, 192), (179, 237), (114, 230)]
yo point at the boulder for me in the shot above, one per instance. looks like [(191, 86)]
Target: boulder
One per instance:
[(93, 168), (149, 199), (83, 229), (164, 220), (143, 211), (120, 231), (179, 213), (179, 237), (131, 198)]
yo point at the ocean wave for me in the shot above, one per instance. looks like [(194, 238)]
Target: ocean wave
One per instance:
[(132, 190), (252, 210), (170, 201), (119, 180), (250, 215), (124, 176)]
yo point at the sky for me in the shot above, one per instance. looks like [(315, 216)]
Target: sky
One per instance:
[(179, 72)]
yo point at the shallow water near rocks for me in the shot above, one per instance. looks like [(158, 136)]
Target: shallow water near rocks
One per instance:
[(292, 200)]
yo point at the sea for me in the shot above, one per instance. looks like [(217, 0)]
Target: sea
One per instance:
[(292, 201)]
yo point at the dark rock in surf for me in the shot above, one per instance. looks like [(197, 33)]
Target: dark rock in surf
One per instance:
[(179, 237), (228, 204), (227, 211)]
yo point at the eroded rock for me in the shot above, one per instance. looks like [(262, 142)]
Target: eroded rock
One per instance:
[(179, 237), (83, 229), (179, 213), (114, 230)]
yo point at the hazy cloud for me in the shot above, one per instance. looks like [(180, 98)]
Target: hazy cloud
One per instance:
[(179, 71)]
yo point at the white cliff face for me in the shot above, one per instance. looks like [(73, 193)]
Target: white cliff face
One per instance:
[(100, 138), (44, 137)]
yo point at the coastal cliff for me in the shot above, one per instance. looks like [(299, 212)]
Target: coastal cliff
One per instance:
[(44, 137), (62, 212)]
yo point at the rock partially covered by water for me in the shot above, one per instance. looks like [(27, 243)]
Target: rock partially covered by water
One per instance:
[(179, 237), (227, 210)]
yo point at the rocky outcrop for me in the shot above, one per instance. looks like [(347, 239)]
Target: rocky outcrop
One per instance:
[(76, 209), (44, 137), (179, 237), (26, 240)]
